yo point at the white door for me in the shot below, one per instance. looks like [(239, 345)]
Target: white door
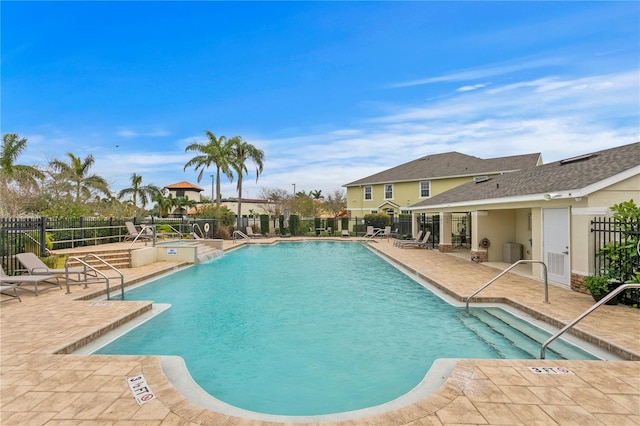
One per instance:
[(555, 240)]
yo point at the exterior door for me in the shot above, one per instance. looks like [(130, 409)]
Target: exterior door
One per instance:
[(555, 249)]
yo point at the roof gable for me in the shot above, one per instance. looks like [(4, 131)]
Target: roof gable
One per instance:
[(580, 174), (184, 185), (448, 165)]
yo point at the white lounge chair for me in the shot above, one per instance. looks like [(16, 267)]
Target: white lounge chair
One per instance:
[(18, 280), (252, 234), (417, 244), (386, 232), (345, 233), (370, 232), (34, 266), (416, 239), (132, 233)]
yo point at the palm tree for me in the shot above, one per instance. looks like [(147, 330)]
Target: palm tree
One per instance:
[(77, 172), (12, 147), (163, 203), (146, 192), (241, 152), (217, 151), (316, 194)]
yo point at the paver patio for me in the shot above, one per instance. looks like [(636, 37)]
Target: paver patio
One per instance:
[(42, 384)]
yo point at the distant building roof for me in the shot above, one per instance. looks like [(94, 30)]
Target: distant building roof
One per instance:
[(448, 165), (184, 185), (576, 177)]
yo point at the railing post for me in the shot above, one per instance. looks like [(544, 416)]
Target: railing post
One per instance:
[(43, 235)]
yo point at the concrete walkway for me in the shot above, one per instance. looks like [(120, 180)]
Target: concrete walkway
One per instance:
[(42, 384)]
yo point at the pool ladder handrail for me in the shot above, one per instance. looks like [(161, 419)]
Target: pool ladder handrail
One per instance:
[(242, 234), (195, 234), (87, 266), (601, 302), (546, 282)]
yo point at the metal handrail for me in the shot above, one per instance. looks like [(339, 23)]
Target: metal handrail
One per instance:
[(601, 302), (546, 283), (143, 233), (86, 265), (195, 234), (242, 234)]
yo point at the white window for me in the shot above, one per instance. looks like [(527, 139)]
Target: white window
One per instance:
[(405, 211), (388, 191), (425, 189), (368, 194)]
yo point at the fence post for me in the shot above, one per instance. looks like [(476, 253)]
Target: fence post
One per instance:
[(43, 233)]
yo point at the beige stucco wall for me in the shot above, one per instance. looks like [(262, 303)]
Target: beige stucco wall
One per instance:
[(626, 190)]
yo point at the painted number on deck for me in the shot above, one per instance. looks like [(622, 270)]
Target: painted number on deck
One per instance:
[(140, 389)]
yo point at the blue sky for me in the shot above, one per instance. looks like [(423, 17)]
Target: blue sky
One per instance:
[(331, 91)]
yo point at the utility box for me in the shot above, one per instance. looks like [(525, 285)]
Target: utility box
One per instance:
[(511, 252)]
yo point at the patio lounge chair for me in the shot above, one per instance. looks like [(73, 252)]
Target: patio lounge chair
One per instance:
[(345, 233), (18, 280), (417, 244), (34, 266), (418, 237), (133, 233), (252, 234), (386, 232), (9, 290), (370, 232)]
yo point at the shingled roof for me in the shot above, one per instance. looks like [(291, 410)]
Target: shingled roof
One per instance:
[(448, 165), (575, 177)]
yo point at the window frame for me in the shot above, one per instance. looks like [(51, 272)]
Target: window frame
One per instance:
[(367, 190), (385, 191), (428, 183)]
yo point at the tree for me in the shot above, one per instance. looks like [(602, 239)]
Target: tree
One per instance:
[(217, 151), (316, 194), (242, 152), (336, 203), (19, 184), (163, 204), (76, 171), (146, 192), (277, 200), (12, 147)]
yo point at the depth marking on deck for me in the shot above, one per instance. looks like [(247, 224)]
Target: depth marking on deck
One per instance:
[(551, 370)]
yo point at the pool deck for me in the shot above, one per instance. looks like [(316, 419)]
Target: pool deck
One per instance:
[(41, 383)]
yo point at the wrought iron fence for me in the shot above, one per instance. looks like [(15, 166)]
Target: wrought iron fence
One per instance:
[(42, 235), (616, 247)]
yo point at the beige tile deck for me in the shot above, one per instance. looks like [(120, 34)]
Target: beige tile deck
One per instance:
[(42, 385)]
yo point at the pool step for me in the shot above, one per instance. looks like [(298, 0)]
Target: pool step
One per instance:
[(116, 258), (524, 335), (499, 342)]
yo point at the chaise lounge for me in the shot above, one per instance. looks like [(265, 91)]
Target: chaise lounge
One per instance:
[(19, 280), (35, 266), (416, 244)]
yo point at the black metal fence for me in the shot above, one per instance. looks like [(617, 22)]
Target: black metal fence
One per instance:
[(45, 234), (616, 247)]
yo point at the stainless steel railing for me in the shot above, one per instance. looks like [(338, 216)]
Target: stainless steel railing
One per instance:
[(546, 283), (601, 302)]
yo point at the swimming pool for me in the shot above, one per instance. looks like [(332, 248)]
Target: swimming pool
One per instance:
[(305, 328)]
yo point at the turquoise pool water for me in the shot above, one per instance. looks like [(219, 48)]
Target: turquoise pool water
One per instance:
[(305, 328)]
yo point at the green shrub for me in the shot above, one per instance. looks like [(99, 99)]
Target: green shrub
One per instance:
[(596, 285), (294, 223), (264, 224), (377, 220)]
